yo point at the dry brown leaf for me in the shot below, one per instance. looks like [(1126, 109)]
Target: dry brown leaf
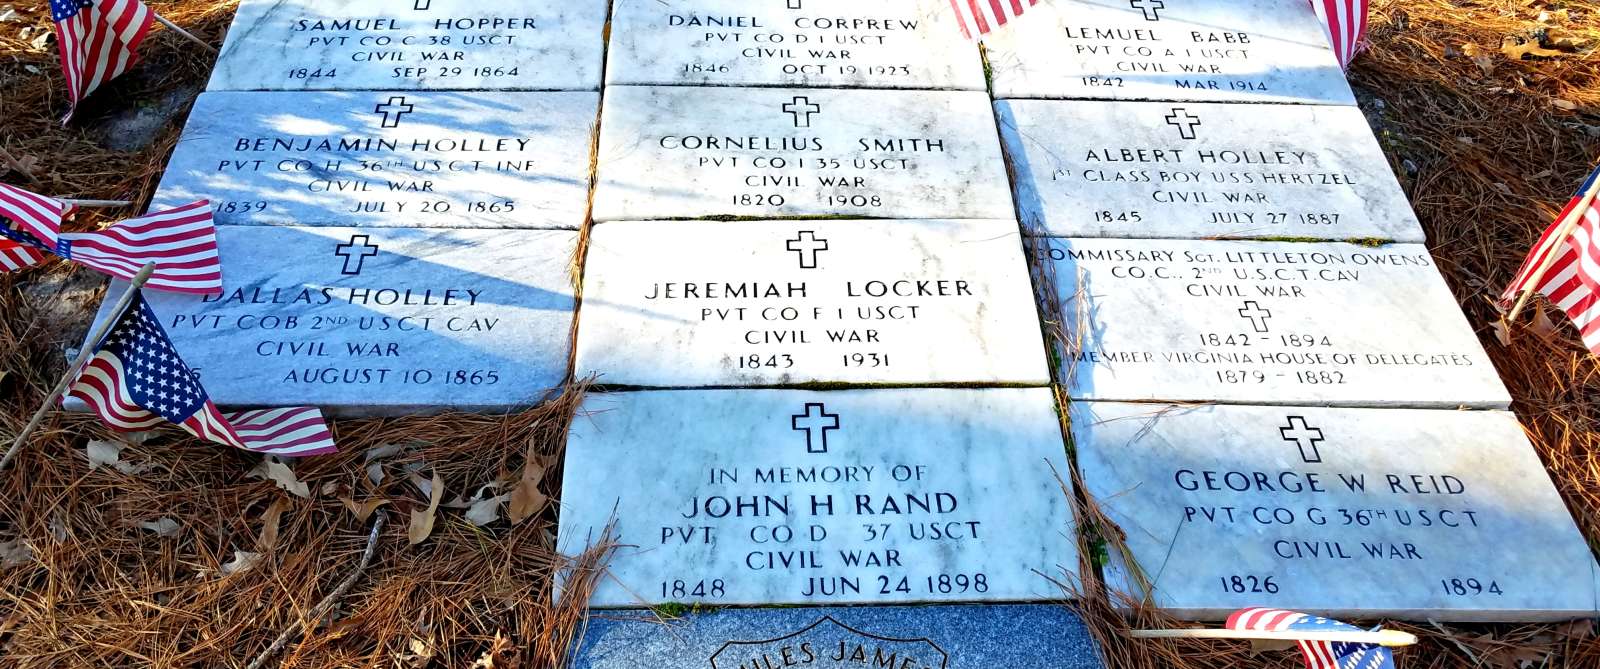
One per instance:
[(269, 525), (28, 163), (1567, 105), (276, 471), (1577, 630), (500, 646), (1501, 333), (1479, 56), (109, 453), (374, 468), (1517, 657), (486, 510), (14, 553), (1516, 51), (1557, 16), (526, 498), (241, 561), (422, 522), (163, 527), (1542, 325), (362, 511)]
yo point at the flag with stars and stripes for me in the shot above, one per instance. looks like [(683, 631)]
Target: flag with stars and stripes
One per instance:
[(98, 40), (1572, 281), (135, 381), (981, 17), (182, 242), (1318, 654), (1345, 23)]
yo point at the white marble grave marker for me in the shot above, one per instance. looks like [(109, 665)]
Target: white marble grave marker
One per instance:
[(412, 45), (1196, 170), (681, 152), (725, 497), (379, 321), (819, 43), (1204, 50), (1266, 323), (760, 303), (387, 159), (1415, 514)]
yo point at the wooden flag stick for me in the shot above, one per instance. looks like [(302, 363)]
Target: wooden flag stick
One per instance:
[(1574, 217), (83, 356), (95, 203), (163, 20), (16, 165), (1389, 638)]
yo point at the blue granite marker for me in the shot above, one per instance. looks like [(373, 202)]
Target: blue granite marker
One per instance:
[(880, 637)]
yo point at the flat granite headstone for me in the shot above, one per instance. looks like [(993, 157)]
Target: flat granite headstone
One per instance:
[(1205, 50), (380, 321), (693, 152), (1395, 513), (387, 159), (1266, 323), (760, 303), (887, 637), (821, 43), (412, 45), (1197, 170), (724, 497)]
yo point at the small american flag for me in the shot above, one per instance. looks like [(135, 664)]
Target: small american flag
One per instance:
[(1572, 281), (980, 17), (135, 381), (1319, 654), (1345, 22), (182, 242), (38, 216), (14, 256), (98, 41)]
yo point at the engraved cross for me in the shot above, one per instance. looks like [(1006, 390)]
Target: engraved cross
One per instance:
[(393, 110), (1301, 434), (350, 255), (808, 246), (815, 422), (801, 105), (1151, 8), (1185, 122), (1258, 316)]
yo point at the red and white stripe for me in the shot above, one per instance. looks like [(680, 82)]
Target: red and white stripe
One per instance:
[(1264, 619), (34, 214), (981, 17), (182, 242), (14, 256), (99, 43), (1318, 654), (290, 432), (293, 431), (1572, 281), (1345, 22)]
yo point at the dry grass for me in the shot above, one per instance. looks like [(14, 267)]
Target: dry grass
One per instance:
[(1487, 148)]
